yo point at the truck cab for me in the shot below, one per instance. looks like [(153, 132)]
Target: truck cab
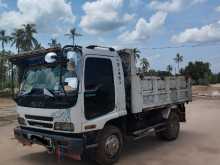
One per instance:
[(79, 101), (85, 95)]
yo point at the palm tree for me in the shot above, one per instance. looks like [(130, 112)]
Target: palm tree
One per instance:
[(38, 46), (4, 39), (72, 34), (178, 59), (137, 53), (144, 64), (30, 41), (54, 43), (169, 68), (18, 39)]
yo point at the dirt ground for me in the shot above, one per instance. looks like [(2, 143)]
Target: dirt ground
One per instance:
[(211, 90), (198, 143), (7, 111), (6, 103)]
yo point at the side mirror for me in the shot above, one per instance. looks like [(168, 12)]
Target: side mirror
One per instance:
[(70, 84)]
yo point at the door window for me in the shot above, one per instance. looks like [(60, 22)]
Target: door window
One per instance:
[(99, 96)]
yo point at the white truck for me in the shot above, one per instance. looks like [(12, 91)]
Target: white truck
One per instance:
[(85, 101)]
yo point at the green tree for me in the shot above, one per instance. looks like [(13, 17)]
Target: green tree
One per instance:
[(29, 42), (4, 39), (18, 39), (169, 68), (144, 65), (23, 38), (198, 71), (38, 46), (54, 43), (218, 77), (178, 59), (137, 53), (72, 34)]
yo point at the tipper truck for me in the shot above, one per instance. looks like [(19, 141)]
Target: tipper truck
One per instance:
[(84, 102)]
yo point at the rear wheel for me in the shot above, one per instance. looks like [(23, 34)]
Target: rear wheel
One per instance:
[(110, 144), (172, 128)]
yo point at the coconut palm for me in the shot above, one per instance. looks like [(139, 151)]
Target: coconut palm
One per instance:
[(4, 39), (54, 43), (29, 41), (144, 64), (18, 39), (137, 53), (38, 46), (169, 68), (72, 34), (178, 59)]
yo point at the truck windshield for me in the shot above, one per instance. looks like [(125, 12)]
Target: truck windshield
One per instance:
[(42, 77), (52, 85)]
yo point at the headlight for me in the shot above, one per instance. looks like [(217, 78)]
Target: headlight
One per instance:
[(21, 121), (63, 126)]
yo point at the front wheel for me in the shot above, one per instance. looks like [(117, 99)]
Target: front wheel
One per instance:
[(110, 144), (172, 128)]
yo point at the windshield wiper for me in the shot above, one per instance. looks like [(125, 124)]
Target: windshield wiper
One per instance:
[(45, 92), (24, 93), (48, 92)]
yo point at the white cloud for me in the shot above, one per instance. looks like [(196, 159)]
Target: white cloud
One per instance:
[(217, 8), (167, 6), (206, 33), (144, 29), (103, 16), (47, 15), (172, 5)]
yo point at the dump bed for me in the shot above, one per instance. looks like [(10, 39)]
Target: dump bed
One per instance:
[(149, 93), (153, 92), (170, 90)]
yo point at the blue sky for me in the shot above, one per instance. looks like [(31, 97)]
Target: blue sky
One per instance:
[(145, 24)]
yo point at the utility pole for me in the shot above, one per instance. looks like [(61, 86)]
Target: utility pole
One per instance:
[(72, 34)]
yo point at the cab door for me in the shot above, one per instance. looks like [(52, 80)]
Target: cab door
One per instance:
[(99, 92)]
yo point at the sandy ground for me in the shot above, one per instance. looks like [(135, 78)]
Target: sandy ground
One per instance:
[(198, 143), (7, 111), (211, 90)]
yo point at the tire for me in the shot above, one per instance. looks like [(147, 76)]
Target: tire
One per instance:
[(110, 145), (172, 128)]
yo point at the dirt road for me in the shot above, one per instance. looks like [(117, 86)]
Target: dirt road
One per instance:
[(198, 143)]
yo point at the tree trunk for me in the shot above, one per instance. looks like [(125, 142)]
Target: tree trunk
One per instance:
[(12, 81), (178, 67)]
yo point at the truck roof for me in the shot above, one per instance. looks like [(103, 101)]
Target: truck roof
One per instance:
[(21, 57), (99, 50)]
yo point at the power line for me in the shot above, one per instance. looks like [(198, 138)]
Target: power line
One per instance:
[(205, 44)]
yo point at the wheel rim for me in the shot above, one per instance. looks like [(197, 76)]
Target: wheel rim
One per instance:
[(174, 126), (112, 145)]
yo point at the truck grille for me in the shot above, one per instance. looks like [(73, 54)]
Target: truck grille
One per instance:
[(43, 118), (39, 124), (39, 121)]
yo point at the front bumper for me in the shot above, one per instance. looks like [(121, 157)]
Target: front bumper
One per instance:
[(67, 145)]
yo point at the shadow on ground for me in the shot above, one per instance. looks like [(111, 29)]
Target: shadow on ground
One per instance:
[(147, 145)]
